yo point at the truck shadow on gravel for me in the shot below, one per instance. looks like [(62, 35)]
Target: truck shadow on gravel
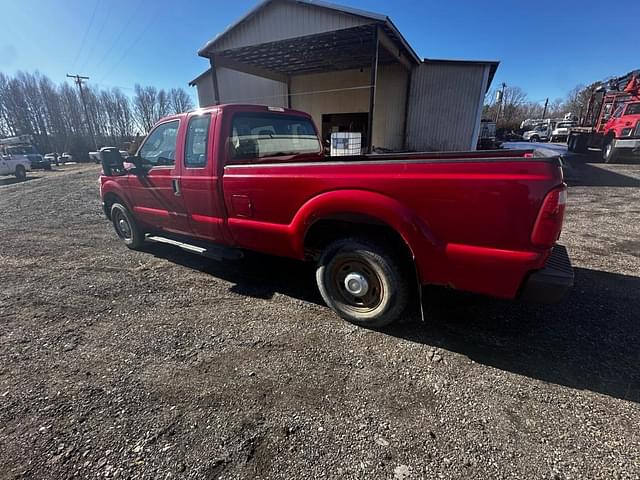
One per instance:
[(589, 175), (589, 341)]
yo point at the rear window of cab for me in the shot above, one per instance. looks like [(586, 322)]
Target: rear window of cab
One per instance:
[(255, 136)]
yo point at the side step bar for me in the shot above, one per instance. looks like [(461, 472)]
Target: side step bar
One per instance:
[(214, 252)]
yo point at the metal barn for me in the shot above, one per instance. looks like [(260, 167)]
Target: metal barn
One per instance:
[(352, 70)]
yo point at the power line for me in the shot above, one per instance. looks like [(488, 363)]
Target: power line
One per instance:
[(119, 36), (130, 48), (84, 37), (97, 39), (78, 80)]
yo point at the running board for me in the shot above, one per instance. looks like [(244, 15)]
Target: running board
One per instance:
[(215, 252)]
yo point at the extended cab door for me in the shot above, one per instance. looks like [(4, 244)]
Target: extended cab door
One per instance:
[(199, 180), (155, 188)]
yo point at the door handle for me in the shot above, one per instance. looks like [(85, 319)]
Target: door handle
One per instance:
[(175, 183)]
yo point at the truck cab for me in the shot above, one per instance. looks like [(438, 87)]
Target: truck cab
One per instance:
[(12, 162), (540, 133), (561, 131), (621, 132)]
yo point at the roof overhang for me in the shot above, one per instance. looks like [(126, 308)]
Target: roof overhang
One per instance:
[(337, 50)]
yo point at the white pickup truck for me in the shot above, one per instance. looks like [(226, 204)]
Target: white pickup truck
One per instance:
[(17, 165)]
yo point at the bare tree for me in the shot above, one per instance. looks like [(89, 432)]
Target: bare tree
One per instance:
[(124, 116), (163, 104), (180, 100), (30, 103), (145, 107)]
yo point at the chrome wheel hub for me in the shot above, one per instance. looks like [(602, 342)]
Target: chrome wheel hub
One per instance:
[(124, 227), (356, 284)]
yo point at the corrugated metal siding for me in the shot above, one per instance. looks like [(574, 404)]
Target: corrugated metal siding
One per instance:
[(389, 110), (204, 86), (443, 106), (239, 87), (282, 20)]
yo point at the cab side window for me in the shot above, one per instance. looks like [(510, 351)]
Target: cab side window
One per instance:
[(195, 152), (159, 149), (618, 112)]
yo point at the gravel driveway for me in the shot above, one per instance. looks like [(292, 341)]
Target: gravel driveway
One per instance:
[(160, 364)]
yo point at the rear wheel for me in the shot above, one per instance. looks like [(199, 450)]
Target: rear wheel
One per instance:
[(362, 282), (126, 226), (21, 172), (534, 139)]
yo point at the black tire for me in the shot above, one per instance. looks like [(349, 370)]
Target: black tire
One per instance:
[(126, 226), (610, 153), (386, 290), (47, 167), (21, 172), (571, 143), (534, 139)]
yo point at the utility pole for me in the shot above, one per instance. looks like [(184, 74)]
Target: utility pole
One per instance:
[(500, 100), (544, 112), (78, 80)]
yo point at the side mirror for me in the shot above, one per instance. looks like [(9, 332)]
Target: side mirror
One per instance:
[(139, 167), (135, 159)]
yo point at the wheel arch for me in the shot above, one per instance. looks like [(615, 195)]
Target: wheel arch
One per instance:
[(332, 215), (109, 198)]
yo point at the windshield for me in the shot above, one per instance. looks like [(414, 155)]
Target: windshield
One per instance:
[(633, 109), (21, 150)]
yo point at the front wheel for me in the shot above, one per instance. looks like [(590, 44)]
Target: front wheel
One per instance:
[(362, 282), (21, 172), (126, 226), (609, 152), (534, 139)]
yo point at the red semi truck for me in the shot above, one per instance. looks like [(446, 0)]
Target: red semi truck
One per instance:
[(611, 122), (229, 178)]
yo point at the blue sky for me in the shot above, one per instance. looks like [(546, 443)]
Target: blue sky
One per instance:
[(544, 47)]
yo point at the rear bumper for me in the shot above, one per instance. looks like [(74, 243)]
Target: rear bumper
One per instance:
[(551, 283)]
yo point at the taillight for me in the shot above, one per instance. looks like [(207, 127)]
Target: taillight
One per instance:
[(546, 230)]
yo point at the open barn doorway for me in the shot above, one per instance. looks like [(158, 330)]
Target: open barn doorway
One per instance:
[(344, 122)]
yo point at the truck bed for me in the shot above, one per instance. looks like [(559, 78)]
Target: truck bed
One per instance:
[(472, 212)]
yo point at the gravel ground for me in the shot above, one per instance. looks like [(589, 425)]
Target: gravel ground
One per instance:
[(160, 364)]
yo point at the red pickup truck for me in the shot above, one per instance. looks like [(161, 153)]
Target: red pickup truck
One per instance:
[(229, 178)]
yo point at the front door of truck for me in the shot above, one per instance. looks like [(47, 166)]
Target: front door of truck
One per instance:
[(155, 188), (199, 180)]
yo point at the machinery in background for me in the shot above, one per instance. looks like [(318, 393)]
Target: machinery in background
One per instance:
[(611, 122)]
